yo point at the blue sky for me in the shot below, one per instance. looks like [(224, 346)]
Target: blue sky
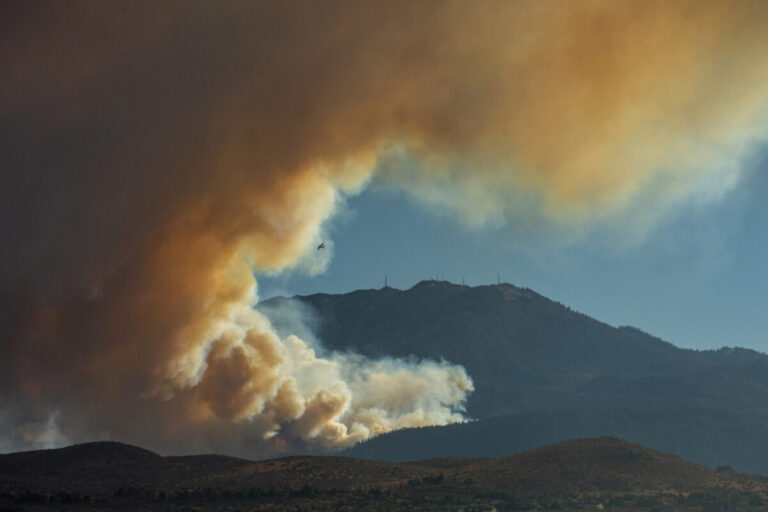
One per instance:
[(697, 279)]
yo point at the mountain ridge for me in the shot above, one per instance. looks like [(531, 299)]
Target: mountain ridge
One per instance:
[(530, 357), (532, 339)]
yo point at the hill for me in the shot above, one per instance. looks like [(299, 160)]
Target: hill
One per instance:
[(570, 475), (602, 464), (532, 358), (99, 467)]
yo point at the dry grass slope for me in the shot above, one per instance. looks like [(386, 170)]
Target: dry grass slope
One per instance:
[(567, 475)]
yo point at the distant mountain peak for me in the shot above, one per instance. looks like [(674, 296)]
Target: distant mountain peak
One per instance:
[(433, 284)]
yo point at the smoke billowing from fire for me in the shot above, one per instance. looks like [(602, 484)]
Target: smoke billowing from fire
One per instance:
[(155, 155)]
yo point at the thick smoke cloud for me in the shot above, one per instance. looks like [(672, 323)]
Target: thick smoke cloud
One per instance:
[(156, 155)]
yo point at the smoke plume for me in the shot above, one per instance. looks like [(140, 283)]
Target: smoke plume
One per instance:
[(156, 155)]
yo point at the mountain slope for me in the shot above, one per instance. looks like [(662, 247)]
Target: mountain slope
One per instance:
[(530, 356), (523, 350)]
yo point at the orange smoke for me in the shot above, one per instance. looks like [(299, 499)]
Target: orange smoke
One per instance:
[(156, 155)]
